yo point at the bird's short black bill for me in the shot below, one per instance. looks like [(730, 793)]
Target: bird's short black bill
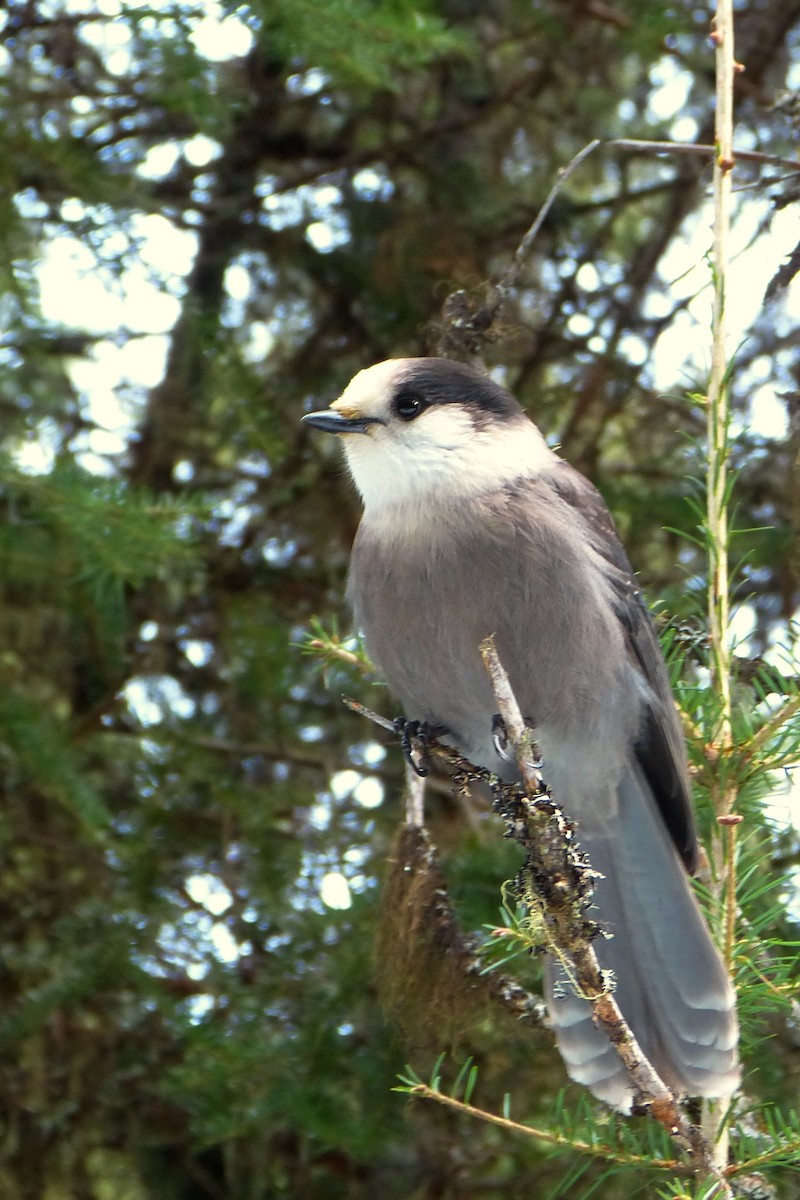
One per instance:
[(331, 421)]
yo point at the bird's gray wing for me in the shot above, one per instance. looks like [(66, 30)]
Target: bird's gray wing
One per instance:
[(659, 746)]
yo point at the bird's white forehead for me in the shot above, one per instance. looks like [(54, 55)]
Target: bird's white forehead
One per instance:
[(443, 457), (372, 387)]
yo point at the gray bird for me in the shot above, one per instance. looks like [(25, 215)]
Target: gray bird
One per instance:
[(473, 526)]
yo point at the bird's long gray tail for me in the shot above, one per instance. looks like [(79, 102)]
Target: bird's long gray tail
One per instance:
[(672, 986)]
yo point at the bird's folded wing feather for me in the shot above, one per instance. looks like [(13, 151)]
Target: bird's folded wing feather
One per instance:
[(659, 745)]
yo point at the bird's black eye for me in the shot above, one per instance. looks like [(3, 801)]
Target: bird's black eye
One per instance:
[(409, 403)]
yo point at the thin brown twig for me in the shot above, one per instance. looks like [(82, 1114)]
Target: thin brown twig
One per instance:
[(466, 324), (702, 150), (520, 254), (357, 707)]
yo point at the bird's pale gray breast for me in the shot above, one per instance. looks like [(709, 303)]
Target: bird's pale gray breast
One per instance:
[(427, 589)]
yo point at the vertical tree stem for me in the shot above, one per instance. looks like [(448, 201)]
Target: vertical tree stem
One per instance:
[(717, 403), (717, 413), (717, 417)]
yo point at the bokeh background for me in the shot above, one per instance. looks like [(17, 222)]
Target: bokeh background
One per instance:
[(211, 216)]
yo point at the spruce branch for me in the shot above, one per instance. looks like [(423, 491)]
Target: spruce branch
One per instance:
[(773, 726), (413, 1086), (331, 647)]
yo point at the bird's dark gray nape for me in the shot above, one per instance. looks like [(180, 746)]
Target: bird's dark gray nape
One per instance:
[(442, 381)]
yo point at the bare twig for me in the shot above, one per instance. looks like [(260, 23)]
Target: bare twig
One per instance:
[(415, 798), (357, 707), (415, 785), (465, 327), (521, 253), (701, 150), (466, 322)]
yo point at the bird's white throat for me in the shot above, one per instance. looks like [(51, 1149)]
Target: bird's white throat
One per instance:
[(442, 459)]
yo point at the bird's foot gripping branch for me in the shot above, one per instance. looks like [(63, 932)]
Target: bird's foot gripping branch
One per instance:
[(414, 738)]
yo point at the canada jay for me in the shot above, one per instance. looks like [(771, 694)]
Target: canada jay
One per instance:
[(473, 526)]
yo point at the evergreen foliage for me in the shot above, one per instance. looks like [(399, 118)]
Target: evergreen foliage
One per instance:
[(260, 199)]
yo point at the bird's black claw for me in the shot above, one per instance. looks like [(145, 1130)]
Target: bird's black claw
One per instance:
[(414, 736), (500, 741), (500, 738)]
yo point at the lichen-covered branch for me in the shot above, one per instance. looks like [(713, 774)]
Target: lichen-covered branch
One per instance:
[(560, 876)]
